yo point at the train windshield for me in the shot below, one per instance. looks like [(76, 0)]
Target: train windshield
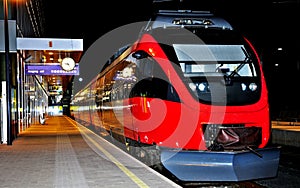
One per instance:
[(216, 64), (201, 60)]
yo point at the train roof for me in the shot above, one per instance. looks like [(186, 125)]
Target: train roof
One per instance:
[(187, 18)]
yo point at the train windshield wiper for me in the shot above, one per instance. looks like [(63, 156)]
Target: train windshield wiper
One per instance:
[(238, 68)]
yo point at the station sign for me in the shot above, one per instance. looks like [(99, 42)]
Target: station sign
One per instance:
[(49, 69), (12, 36)]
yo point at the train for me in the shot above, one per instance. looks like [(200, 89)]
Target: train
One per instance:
[(189, 96)]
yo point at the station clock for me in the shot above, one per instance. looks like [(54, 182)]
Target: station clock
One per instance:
[(67, 64)]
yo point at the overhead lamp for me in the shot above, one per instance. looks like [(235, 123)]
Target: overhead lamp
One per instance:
[(59, 58), (44, 59)]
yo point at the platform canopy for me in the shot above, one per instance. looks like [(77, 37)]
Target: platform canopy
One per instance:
[(44, 56), (56, 44)]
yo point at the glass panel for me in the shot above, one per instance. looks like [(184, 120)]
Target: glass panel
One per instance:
[(190, 52)]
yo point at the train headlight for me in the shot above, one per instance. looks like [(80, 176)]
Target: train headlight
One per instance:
[(202, 87), (192, 86), (244, 87), (252, 86)]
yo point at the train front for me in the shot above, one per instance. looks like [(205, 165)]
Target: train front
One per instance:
[(213, 115)]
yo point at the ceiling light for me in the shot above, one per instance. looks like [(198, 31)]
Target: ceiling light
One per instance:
[(59, 58)]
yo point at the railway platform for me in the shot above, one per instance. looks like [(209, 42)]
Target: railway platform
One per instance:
[(286, 133), (62, 153)]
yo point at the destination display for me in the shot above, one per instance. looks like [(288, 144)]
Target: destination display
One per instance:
[(51, 69)]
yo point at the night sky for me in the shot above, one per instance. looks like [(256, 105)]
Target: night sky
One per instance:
[(267, 24)]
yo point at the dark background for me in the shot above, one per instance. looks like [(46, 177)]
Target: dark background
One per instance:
[(267, 24)]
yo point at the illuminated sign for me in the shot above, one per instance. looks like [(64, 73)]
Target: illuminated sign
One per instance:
[(51, 69)]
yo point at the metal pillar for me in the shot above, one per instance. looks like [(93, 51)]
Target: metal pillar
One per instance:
[(8, 74)]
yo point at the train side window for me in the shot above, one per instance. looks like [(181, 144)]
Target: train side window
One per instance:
[(152, 81), (144, 68)]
